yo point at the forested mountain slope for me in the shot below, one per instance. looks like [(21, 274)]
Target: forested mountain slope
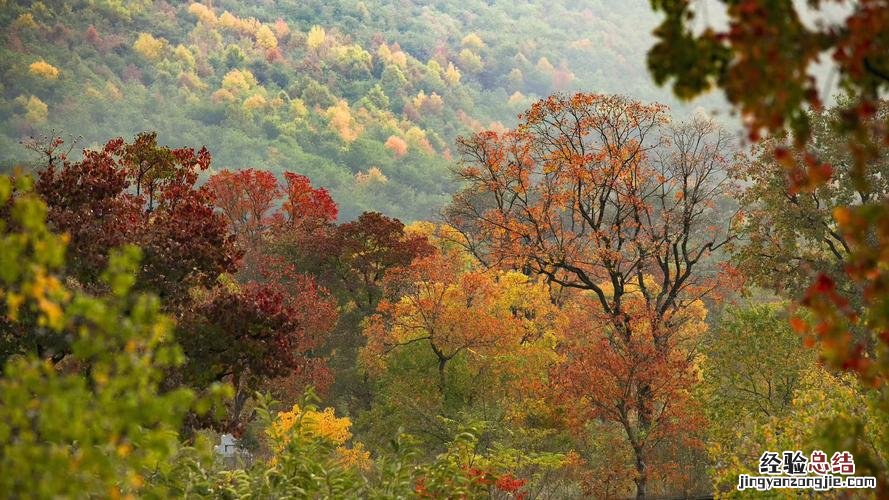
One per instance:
[(364, 97)]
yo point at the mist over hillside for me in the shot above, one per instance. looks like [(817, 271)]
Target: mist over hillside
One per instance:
[(366, 98)]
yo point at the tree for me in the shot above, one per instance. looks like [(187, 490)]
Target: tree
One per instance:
[(186, 245), (88, 201), (103, 426), (352, 61), (342, 121), (255, 332), (305, 206), (794, 237), (592, 190), (639, 385), (143, 194), (263, 213), (315, 38), (149, 47), (203, 13), (470, 61), (361, 254), (790, 237), (752, 364), (397, 145), (247, 200), (472, 41), (475, 335), (44, 70), (754, 368), (238, 80), (36, 111), (266, 38), (309, 423), (273, 335), (452, 75), (764, 390), (256, 102), (351, 260), (762, 59)]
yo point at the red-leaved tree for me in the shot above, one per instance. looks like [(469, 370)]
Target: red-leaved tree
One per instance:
[(139, 193), (256, 332)]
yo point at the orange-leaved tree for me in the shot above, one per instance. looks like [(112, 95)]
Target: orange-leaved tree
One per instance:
[(478, 313), (479, 338), (638, 384), (261, 211), (247, 199), (600, 193)]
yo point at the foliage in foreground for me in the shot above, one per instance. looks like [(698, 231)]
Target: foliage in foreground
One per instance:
[(100, 426)]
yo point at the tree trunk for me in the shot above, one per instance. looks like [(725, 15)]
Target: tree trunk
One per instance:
[(644, 401), (641, 475), (237, 404), (638, 447), (441, 375), (644, 404)]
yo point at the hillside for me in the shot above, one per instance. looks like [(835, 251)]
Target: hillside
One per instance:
[(365, 98)]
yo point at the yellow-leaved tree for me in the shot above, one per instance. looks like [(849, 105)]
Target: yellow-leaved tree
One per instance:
[(44, 70), (266, 38), (454, 339), (316, 37), (36, 111), (310, 423), (203, 13), (238, 80), (342, 121), (452, 75), (149, 47)]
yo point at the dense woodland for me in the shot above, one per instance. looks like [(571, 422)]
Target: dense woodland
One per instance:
[(365, 98), (399, 251)]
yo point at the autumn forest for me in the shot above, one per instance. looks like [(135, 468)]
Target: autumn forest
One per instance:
[(481, 249)]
